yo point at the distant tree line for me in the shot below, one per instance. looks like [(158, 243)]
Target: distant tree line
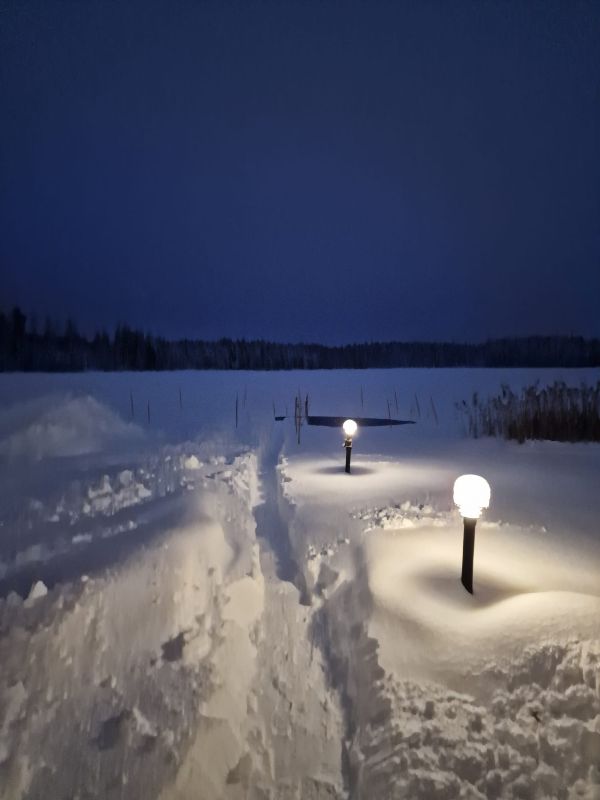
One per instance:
[(24, 347)]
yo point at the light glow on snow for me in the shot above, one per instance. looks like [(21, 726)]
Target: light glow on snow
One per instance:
[(471, 494)]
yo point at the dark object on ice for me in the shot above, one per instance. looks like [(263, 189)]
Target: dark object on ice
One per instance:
[(365, 422), (468, 550)]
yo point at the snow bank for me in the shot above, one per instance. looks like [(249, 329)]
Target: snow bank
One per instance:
[(118, 672), (62, 426), (531, 740)]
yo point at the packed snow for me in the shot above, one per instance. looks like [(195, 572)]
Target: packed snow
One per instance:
[(197, 602)]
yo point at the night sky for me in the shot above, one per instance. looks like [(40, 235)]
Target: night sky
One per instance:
[(323, 171)]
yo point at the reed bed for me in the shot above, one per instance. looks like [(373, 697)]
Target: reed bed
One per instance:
[(558, 413)]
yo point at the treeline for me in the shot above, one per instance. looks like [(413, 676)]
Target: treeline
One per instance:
[(25, 348)]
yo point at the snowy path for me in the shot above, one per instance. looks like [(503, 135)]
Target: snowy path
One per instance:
[(273, 516), (282, 729)]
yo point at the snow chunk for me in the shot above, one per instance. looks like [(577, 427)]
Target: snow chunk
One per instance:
[(82, 538), (191, 462), (39, 589), (14, 600), (143, 724), (126, 477)]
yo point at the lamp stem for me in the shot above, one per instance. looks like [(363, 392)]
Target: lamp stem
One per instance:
[(348, 446), (468, 549)]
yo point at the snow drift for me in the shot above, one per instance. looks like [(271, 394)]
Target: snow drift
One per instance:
[(62, 426)]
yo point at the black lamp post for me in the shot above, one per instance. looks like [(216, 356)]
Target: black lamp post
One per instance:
[(471, 495), (466, 576), (349, 427)]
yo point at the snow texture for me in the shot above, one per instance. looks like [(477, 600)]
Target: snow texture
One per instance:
[(191, 608)]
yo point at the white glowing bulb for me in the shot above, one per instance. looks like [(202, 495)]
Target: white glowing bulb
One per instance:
[(350, 427), (471, 494)]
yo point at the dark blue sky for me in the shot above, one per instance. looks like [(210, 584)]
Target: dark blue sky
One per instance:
[(332, 171)]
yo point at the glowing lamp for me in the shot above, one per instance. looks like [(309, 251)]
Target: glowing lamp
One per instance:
[(349, 427), (471, 494)]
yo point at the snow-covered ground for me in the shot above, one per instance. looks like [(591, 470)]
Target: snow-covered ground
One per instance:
[(191, 608)]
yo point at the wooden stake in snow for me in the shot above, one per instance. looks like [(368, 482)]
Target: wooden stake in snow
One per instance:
[(237, 402), (180, 400), (148, 410), (435, 416), (298, 413), (296, 419), (131, 405), (418, 406)]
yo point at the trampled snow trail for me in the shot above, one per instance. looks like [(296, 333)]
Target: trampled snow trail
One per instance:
[(295, 722), (273, 515)]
